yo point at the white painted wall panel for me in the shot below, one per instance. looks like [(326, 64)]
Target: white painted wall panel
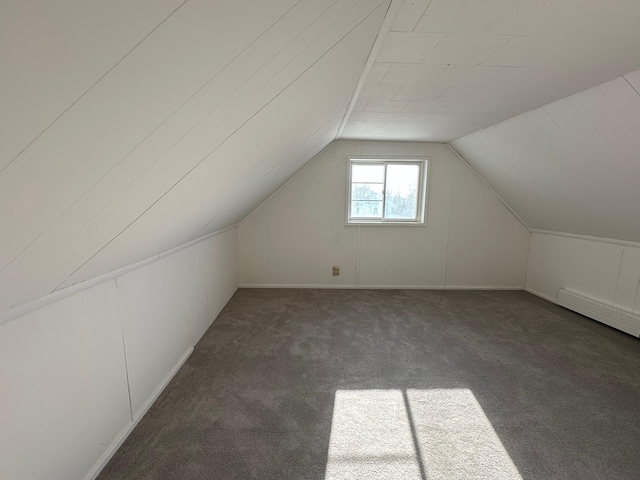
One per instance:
[(584, 266), (221, 270), (63, 369), (487, 244), (396, 256), (64, 386), (411, 256), (305, 234), (253, 248), (164, 312), (297, 235), (628, 279)]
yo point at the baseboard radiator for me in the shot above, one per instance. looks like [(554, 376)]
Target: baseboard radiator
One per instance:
[(615, 317)]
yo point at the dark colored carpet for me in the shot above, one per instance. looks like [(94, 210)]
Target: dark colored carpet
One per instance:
[(255, 400)]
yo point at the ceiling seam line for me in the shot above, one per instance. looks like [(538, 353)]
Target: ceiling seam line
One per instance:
[(615, 291), (634, 88), (315, 132), (289, 179), (113, 67), (424, 12), (299, 170)]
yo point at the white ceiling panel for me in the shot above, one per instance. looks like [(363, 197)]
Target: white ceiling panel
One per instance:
[(626, 105), (141, 153), (375, 91), (53, 53), (564, 52), (466, 75), (539, 17), (418, 93), (409, 15), (457, 49), (501, 57), (211, 189), (402, 47), (411, 73), (461, 16), (377, 72), (385, 106), (613, 18), (78, 154), (360, 105), (570, 166)]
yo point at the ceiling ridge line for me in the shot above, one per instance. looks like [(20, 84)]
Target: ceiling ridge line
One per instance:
[(385, 28)]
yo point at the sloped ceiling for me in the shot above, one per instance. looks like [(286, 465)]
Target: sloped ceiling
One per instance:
[(450, 67), (130, 127), (571, 166)]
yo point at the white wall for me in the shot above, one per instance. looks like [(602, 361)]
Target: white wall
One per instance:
[(65, 404), (297, 235), (602, 269)]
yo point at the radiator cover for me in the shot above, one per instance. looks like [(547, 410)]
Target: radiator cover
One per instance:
[(615, 317)]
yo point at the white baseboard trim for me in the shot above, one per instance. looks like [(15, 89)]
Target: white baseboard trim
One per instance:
[(115, 445), (381, 287)]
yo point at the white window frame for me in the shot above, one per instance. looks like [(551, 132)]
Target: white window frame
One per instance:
[(423, 190)]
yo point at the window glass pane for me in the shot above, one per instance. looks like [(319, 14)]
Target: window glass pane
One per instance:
[(367, 173), (366, 209), (366, 191), (401, 196)]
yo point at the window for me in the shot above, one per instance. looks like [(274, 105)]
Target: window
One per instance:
[(386, 191)]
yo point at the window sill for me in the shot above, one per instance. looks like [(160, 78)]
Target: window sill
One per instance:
[(384, 224)]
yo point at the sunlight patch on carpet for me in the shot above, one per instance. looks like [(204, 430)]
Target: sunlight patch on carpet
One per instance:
[(417, 434), (371, 437)]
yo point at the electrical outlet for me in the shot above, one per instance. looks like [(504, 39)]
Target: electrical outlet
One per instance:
[(336, 270)]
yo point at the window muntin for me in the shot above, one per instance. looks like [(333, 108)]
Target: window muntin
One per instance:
[(386, 191)]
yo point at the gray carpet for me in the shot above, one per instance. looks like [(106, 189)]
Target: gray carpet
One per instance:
[(417, 384)]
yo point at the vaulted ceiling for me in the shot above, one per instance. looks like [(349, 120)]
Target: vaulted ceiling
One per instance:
[(130, 127), (571, 166), (450, 67)]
